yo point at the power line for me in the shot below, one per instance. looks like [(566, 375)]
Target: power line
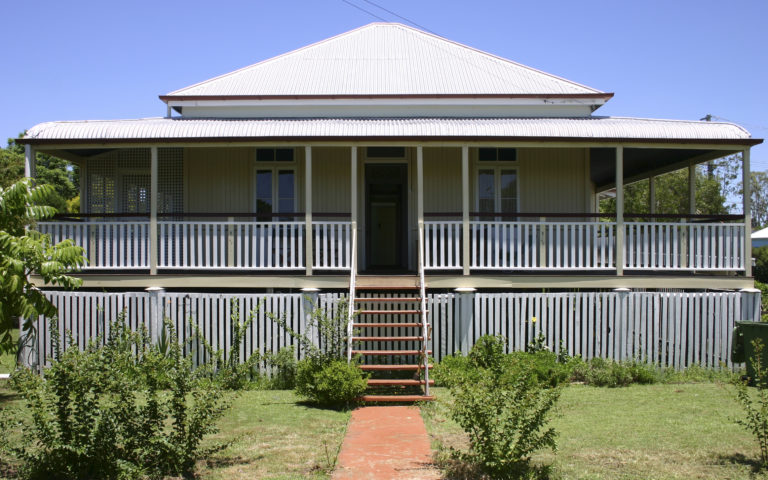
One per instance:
[(400, 16), (364, 10)]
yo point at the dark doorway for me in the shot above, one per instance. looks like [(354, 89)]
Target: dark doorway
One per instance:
[(386, 215)]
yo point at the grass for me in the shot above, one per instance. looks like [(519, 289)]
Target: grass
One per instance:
[(663, 431), (270, 435), (8, 360), (276, 437)]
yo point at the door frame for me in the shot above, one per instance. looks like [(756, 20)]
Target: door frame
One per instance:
[(403, 181)]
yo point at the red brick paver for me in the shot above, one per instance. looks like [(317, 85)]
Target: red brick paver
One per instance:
[(385, 443)]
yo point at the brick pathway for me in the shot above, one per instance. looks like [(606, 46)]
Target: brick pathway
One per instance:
[(385, 443)]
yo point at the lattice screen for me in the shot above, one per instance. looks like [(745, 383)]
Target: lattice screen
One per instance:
[(170, 181), (119, 181)]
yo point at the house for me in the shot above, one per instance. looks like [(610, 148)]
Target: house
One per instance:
[(760, 238), (452, 191)]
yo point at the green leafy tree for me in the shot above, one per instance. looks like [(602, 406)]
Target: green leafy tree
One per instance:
[(672, 195), (759, 190), (24, 251), (61, 174)]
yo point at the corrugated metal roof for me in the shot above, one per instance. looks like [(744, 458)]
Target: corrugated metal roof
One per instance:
[(575, 128), (760, 234), (385, 59)]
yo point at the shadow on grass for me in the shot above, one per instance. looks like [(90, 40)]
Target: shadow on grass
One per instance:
[(456, 466), (740, 459), (317, 406), (216, 462), (8, 396)]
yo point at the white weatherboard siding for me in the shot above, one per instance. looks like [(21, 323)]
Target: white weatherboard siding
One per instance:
[(221, 179), (597, 128), (385, 59), (551, 180)]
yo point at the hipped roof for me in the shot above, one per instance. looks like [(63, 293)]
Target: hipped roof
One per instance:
[(385, 59)]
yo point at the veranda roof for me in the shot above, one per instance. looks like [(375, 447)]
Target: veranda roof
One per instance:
[(385, 59), (596, 129)]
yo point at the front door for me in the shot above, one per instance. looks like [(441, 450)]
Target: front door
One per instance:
[(386, 213)]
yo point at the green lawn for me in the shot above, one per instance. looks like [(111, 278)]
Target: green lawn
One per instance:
[(276, 438), (270, 435), (668, 431), (8, 360)]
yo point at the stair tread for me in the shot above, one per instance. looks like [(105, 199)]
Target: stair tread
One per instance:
[(388, 352), (392, 325), (395, 381), (391, 367), (387, 339), (397, 398)]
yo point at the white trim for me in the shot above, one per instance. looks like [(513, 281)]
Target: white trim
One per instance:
[(497, 167), (274, 169), (405, 101)]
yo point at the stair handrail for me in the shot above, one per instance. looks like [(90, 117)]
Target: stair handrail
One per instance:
[(351, 301), (424, 327)]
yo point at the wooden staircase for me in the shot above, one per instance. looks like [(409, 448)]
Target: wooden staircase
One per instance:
[(390, 335)]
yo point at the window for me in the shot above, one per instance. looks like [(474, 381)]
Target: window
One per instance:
[(385, 152), (275, 183), (135, 193), (497, 190), (497, 154), (274, 155)]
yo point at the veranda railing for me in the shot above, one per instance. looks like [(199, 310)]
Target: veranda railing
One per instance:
[(566, 242), (122, 241)]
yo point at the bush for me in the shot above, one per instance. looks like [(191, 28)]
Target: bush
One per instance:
[(504, 413), (602, 372), (541, 367), (122, 408), (324, 376), (284, 368), (755, 405), (488, 352), (451, 370), (760, 271), (333, 383)]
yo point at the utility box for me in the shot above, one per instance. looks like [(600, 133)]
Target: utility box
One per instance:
[(743, 350)]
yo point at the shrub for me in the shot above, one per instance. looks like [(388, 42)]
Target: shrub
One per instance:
[(602, 372), (755, 405), (451, 370), (284, 368), (763, 287), (122, 408), (505, 415), (229, 367), (324, 376), (333, 383), (541, 367), (488, 352)]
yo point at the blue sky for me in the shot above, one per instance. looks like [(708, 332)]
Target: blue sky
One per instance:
[(676, 59)]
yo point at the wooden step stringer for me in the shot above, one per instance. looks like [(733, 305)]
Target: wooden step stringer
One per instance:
[(391, 336)]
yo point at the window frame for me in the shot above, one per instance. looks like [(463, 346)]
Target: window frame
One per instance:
[(497, 167), (274, 167)]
